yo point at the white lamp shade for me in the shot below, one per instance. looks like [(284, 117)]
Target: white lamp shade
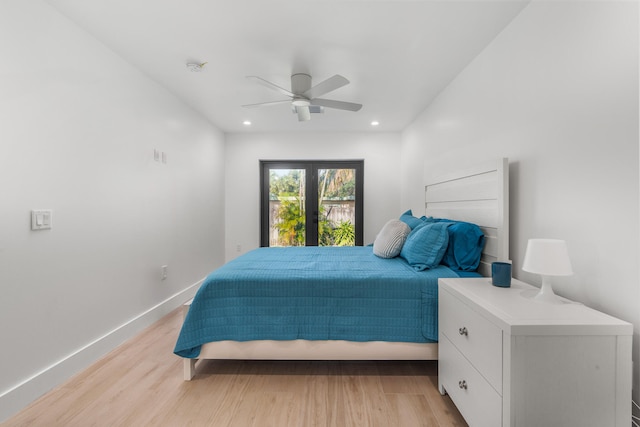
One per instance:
[(548, 257)]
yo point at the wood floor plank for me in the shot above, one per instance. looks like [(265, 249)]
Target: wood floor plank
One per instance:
[(140, 384), (442, 406), (411, 410)]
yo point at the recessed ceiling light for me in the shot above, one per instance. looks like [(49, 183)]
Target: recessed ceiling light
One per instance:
[(246, 123), (375, 123)]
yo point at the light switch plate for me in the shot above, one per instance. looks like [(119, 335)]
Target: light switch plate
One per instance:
[(41, 219)]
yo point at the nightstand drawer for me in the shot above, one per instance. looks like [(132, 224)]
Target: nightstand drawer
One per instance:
[(479, 340), (477, 401)]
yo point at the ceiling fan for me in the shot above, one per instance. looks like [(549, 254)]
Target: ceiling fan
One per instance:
[(302, 95)]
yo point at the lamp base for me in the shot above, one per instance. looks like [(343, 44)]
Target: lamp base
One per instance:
[(546, 294)]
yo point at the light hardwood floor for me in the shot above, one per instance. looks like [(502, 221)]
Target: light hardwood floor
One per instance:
[(140, 384)]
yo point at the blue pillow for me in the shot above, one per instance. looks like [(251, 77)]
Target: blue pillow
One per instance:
[(426, 245), (466, 242), (411, 220)]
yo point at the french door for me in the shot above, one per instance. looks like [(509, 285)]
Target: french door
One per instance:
[(311, 203)]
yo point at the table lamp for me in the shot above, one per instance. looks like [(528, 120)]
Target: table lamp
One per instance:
[(547, 257)]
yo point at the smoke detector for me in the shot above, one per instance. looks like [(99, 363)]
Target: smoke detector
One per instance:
[(196, 68)]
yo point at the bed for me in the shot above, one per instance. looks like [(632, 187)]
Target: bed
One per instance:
[(343, 303)]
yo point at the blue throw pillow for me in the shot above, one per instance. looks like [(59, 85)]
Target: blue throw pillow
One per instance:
[(411, 220), (426, 245), (466, 242)]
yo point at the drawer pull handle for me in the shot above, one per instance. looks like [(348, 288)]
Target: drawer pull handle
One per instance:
[(462, 384), (463, 331)]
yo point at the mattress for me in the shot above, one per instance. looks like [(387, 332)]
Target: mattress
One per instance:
[(313, 293)]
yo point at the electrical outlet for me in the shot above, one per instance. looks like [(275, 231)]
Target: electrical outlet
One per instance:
[(163, 272), (239, 248)]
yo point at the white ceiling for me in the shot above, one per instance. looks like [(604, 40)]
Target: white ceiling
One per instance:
[(398, 54)]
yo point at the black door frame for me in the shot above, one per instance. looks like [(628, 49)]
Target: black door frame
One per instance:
[(311, 188)]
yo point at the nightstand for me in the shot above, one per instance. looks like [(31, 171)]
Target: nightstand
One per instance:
[(508, 360)]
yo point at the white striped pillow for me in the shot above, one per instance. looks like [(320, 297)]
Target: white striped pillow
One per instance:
[(390, 239)]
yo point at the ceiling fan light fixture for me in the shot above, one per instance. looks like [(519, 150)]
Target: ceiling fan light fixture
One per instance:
[(313, 109), (301, 102)]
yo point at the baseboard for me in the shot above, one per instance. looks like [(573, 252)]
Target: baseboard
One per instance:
[(19, 396)]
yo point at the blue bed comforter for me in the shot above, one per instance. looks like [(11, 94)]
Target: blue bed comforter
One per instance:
[(313, 293)]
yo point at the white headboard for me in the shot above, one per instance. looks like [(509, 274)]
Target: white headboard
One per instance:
[(479, 195)]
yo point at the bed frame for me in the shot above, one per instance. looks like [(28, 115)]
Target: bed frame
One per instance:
[(479, 195)]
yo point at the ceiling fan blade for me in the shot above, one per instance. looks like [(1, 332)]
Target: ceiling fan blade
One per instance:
[(332, 83), (340, 105), (267, 104), (303, 114), (270, 85)]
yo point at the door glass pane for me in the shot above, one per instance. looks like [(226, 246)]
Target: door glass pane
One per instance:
[(336, 203), (286, 207)]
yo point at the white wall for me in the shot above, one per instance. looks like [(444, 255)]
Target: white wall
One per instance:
[(380, 151), (557, 93), (78, 127)]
